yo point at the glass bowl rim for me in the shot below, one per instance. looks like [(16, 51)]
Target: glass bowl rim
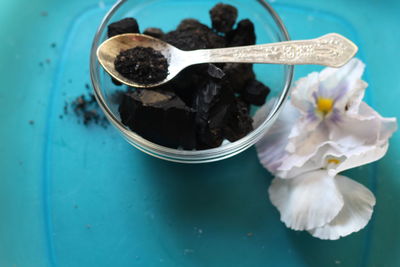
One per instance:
[(190, 156)]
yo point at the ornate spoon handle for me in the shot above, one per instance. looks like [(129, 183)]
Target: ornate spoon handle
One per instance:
[(333, 50)]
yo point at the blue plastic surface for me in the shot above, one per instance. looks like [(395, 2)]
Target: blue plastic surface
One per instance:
[(77, 196)]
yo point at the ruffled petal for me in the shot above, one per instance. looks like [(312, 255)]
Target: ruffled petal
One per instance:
[(302, 92), (294, 164), (352, 104), (362, 155), (357, 140), (365, 127), (305, 135), (355, 214), (385, 127), (297, 164), (271, 148), (344, 84), (308, 201)]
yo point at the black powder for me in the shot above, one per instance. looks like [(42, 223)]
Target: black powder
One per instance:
[(86, 110), (143, 65)]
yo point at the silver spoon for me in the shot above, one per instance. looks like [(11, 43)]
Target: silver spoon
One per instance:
[(333, 50)]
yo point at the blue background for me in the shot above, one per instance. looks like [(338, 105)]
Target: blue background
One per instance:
[(81, 196)]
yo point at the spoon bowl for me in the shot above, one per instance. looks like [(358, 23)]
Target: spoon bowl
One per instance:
[(109, 50), (333, 50)]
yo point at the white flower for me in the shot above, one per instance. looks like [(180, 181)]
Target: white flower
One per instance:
[(325, 129), (326, 112)]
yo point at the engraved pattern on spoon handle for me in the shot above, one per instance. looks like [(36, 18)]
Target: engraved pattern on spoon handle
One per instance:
[(331, 50)]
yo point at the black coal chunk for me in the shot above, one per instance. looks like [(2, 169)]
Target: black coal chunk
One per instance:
[(255, 93), (154, 32), (185, 40), (192, 35), (192, 25), (215, 72), (127, 25), (243, 34), (239, 123), (213, 105), (195, 27), (223, 17), (160, 117), (143, 65), (185, 84), (237, 75)]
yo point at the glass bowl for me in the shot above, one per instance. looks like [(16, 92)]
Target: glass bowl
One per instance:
[(166, 14)]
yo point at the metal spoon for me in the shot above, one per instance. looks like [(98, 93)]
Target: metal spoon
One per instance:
[(333, 50)]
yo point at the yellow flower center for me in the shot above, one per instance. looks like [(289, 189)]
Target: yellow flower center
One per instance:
[(324, 105), (333, 161)]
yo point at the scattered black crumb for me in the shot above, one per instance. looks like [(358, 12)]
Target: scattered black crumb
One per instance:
[(53, 45), (87, 86), (31, 122), (66, 108), (44, 13), (87, 110)]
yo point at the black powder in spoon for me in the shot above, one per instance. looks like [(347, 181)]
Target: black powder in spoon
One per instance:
[(142, 65)]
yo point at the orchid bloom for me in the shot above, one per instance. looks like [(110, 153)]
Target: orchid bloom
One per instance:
[(325, 129)]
